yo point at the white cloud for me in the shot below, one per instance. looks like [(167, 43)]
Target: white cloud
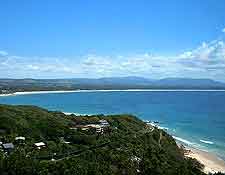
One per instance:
[(223, 30), (206, 61), (3, 53), (33, 67)]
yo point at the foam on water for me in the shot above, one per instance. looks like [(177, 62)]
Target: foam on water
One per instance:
[(164, 128), (207, 142), (183, 140)]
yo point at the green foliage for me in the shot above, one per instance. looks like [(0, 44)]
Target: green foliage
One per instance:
[(126, 147), (32, 122)]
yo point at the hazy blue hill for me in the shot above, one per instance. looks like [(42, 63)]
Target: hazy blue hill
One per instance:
[(188, 82), (130, 82), (126, 80)]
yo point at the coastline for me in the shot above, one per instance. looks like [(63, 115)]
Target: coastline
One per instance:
[(113, 90), (5, 95), (212, 163), (209, 159)]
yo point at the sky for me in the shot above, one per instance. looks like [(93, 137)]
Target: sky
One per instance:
[(96, 38)]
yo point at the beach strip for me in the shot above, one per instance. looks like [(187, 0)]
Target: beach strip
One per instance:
[(211, 162), (114, 90)]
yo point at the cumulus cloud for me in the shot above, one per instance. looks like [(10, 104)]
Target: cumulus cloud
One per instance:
[(223, 30), (205, 61), (207, 55), (3, 53)]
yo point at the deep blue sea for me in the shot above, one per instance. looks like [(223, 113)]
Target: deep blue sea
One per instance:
[(196, 118)]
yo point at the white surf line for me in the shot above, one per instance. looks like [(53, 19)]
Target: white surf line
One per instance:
[(5, 95), (206, 141), (183, 140), (146, 90), (115, 90), (41, 92)]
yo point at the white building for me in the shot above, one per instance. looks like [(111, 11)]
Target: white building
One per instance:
[(20, 138), (8, 147), (104, 123), (40, 145), (99, 130)]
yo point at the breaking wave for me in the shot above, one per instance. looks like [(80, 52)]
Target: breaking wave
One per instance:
[(164, 128), (206, 141), (183, 140)]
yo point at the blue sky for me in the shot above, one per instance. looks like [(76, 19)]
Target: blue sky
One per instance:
[(96, 38)]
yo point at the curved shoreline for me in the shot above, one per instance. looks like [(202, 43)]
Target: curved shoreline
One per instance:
[(209, 159), (212, 163), (114, 90)]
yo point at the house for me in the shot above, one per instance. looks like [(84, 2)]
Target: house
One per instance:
[(1, 146), (135, 159), (99, 127), (85, 129), (75, 128), (40, 145), (99, 130), (20, 138), (81, 127), (8, 147), (63, 140), (4, 91), (103, 123)]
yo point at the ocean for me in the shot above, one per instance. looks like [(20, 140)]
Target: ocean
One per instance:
[(195, 118)]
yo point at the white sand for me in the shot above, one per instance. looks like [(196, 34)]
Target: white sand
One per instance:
[(37, 92), (211, 162), (41, 92), (115, 90), (4, 95)]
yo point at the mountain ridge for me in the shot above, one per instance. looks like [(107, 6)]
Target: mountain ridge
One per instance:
[(130, 82)]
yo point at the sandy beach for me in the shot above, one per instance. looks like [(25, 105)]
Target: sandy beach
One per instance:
[(42, 92), (4, 95), (37, 92), (111, 90), (211, 162)]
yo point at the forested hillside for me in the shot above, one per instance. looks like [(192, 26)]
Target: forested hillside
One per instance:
[(114, 144)]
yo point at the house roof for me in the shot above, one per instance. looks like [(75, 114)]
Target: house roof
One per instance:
[(102, 121), (8, 146), (39, 144), (94, 126), (20, 138)]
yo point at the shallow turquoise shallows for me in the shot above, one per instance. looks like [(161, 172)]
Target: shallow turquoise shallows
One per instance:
[(195, 118)]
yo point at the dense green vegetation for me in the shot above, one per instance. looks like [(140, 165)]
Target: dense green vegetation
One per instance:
[(127, 146)]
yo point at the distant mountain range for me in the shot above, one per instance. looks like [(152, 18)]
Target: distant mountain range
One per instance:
[(130, 82)]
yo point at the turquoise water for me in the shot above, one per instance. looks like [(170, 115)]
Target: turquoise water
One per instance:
[(196, 118)]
